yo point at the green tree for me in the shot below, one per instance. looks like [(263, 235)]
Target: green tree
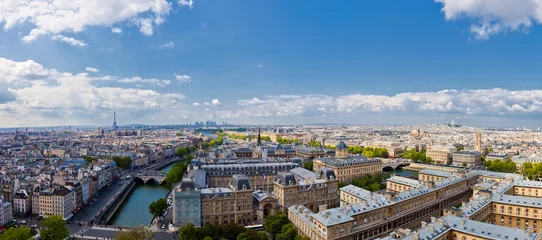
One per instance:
[(189, 232), (182, 151), (460, 148), (20, 233), (123, 162), (176, 173), (54, 228), (232, 230), (314, 143), (288, 232), (299, 237), (135, 234), (273, 223), (464, 164), (341, 184), (308, 165), (89, 159), (158, 207)]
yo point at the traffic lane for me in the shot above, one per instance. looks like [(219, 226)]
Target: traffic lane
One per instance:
[(97, 205), (102, 233)]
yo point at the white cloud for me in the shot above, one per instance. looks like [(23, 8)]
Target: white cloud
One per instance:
[(153, 81), (494, 16), (168, 44), (90, 69), (196, 104), (207, 104), (42, 96), (215, 102), (188, 3), (116, 30), (69, 40), (57, 17), (482, 102), (183, 78)]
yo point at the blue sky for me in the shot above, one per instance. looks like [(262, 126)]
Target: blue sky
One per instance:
[(358, 62)]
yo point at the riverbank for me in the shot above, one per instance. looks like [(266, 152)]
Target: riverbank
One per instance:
[(133, 212)]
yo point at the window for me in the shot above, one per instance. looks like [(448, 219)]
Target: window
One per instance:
[(510, 210), (518, 211), (502, 209), (526, 212)]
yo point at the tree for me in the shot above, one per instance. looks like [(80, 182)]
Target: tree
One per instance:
[(89, 159), (175, 174), (54, 228), (182, 151), (158, 207), (299, 237), (288, 232), (308, 165), (20, 233), (273, 223), (135, 234), (232, 230), (189, 232), (341, 184), (123, 162), (459, 148), (464, 164)]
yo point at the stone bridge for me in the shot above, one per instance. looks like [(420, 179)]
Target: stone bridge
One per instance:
[(148, 176), (393, 164)]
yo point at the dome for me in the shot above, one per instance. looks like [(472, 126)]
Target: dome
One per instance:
[(341, 146)]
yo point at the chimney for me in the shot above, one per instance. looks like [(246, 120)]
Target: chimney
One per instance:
[(416, 236), (423, 224), (433, 219)]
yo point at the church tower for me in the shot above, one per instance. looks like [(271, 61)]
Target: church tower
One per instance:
[(341, 150)]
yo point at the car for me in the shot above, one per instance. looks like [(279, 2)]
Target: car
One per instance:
[(163, 226), (22, 222), (34, 226)]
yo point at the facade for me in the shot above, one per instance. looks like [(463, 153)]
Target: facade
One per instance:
[(347, 168), (309, 152), (497, 156), (260, 174), (56, 201), (351, 194), (433, 175), (401, 184), (186, 204), (22, 203), (6, 213), (300, 186), (441, 154), (221, 205), (467, 158), (36, 201)]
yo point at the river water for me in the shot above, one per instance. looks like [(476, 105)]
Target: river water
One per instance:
[(135, 209), (405, 173)]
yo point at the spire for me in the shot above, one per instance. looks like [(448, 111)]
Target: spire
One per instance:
[(259, 137)]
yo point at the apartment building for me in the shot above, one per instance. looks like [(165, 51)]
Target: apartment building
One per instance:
[(57, 201)]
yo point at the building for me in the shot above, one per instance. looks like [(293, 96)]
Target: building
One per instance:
[(187, 204), (6, 213), (57, 201), (457, 228), (22, 204), (496, 156), (299, 186), (478, 142), (434, 175), (441, 154), (394, 148), (260, 174), (219, 205), (375, 218), (401, 184), (467, 158), (351, 194), (346, 167)]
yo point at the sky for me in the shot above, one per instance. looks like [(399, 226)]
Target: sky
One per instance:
[(75, 62)]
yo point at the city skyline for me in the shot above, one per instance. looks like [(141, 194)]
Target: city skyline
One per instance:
[(174, 62)]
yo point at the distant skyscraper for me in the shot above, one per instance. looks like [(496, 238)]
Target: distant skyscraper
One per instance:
[(115, 127), (478, 143)]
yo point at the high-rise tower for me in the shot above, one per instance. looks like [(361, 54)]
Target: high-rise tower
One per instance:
[(115, 127), (478, 143), (259, 138)]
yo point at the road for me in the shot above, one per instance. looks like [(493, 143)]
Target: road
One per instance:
[(108, 233)]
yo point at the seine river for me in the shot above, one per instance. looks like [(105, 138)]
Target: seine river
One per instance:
[(135, 209)]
